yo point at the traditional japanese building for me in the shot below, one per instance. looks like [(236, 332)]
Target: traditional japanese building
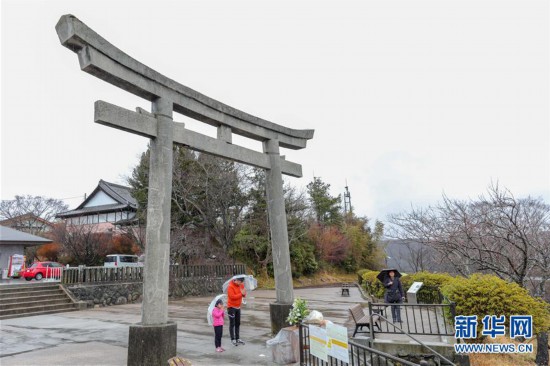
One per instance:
[(106, 207)]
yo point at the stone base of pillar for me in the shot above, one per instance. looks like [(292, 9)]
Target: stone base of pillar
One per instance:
[(279, 313), (151, 344)]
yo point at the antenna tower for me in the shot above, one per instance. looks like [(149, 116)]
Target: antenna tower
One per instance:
[(347, 200)]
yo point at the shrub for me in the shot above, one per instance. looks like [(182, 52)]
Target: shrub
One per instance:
[(360, 275), (489, 295), (429, 279), (432, 283)]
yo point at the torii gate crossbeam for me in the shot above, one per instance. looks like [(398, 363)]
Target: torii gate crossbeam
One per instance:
[(153, 341)]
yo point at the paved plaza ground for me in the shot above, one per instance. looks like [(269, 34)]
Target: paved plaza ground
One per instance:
[(100, 336)]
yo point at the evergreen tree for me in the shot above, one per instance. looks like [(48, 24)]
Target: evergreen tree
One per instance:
[(365, 250), (326, 208)]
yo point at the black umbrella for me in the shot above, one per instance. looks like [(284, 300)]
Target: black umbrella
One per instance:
[(385, 273)]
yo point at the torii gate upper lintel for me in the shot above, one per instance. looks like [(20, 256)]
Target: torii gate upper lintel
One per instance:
[(153, 341)]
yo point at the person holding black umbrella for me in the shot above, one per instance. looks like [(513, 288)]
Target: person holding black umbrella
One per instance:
[(394, 291)]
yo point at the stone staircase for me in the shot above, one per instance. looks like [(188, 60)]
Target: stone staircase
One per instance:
[(34, 299)]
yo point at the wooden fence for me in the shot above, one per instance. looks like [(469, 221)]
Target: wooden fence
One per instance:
[(83, 274)]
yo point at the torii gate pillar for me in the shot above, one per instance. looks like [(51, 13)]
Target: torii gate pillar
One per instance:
[(279, 238), (155, 331)]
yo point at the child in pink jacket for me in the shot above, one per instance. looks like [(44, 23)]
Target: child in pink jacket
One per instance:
[(217, 321)]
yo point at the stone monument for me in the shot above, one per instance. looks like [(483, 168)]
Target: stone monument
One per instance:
[(153, 341)]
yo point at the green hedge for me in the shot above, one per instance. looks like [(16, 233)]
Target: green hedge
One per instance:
[(489, 295), (432, 283), (360, 274), (477, 295), (429, 279)]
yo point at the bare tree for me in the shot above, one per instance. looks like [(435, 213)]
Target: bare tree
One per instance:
[(413, 256), (496, 233), (135, 231), (211, 193), (82, 244), (28, 213)]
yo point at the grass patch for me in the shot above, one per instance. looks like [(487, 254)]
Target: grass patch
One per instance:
[(504, 359), (318, 279)]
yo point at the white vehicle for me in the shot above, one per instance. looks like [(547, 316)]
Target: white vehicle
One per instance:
[(121, 260)]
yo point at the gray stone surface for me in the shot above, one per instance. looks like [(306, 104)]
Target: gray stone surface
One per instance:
[(145, 125), (278, 314), (196, 286), (107, 294), (114, 293), (151, 344), (157, 251), (278, 226), (100, 336)]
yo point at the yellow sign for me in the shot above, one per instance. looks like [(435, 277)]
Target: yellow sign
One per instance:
[(338, 342)]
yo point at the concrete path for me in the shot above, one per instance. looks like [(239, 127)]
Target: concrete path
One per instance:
[(100, 336)]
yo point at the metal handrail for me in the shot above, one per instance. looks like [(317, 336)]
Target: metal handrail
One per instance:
[(356, 350), (383, 354), (447, 326), (417, 340)]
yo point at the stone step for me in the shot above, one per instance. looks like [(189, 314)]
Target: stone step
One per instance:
[(24, 297), (37, 309), (33, 283), (35, 302), (34, 313), (30, 288), (15, 294)]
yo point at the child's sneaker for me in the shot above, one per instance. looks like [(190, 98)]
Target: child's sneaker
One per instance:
[(240, 341), (223, 349), (219, 349), (234, 342)]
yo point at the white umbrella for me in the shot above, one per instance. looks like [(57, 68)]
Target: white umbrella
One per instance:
[(212, 305), (250, 283)]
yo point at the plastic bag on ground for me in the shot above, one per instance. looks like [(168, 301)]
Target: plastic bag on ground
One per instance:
[(285, 347), (314, 317)]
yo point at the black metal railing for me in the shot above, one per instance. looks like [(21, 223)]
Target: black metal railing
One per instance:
[(416, 319), (359, 355), (429, 295)]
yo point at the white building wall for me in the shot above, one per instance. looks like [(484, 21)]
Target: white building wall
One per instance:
[(100, 199)]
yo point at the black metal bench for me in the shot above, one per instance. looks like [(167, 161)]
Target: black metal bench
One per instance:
[(362, 320), (345, 289)]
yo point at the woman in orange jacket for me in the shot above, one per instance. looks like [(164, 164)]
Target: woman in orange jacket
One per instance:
[(235, 294)]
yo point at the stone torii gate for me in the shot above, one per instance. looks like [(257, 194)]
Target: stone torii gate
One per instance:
[(153, 341)]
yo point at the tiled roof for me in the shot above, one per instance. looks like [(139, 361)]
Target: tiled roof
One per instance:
[(8, 235), (120, 194), (95, 209), (25, 217)]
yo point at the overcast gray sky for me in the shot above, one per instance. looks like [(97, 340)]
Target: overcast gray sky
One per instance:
[(408, 99)]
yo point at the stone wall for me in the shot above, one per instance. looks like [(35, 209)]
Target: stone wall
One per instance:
[(195, 286), (106, 294), (115, 293)]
